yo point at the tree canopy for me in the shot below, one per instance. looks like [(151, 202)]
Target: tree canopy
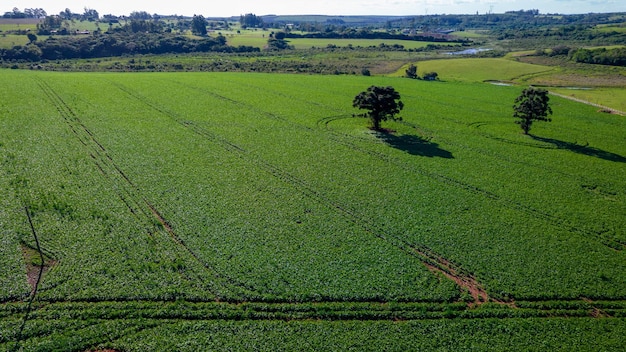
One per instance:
[(531, 105), (383, 104), (198, 25)]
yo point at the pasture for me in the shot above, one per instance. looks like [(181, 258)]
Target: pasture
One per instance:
[(258, 38), (8, 41), (168, 211), (470, 69), (596, 84)]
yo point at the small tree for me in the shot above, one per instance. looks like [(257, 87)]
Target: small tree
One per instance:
[(532, 105), (383, 104), (431, 76), (274, 44), (411, 72)]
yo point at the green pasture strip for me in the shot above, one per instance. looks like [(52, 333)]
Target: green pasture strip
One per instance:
[(259, 39), (614, 98), (10, 40), (230, 208), (307, 43), (609, 28), (471, 34), (477, 69), (17, 25), (248, 38)]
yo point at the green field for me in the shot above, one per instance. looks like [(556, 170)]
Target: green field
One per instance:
[(596, 84), (10, 40), (181, 211), (18, 24), (479, 69)]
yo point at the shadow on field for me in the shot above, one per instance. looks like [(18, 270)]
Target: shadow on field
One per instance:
[(414, 145), (582, 149)]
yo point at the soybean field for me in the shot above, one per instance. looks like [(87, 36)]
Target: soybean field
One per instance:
[(186, 211)]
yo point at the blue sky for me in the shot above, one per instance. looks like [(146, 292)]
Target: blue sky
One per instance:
[(325, 7)]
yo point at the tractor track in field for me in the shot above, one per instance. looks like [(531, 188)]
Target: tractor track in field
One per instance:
[(138, 205), (434, 262), (603, 236), (105, 164), (324, 310), (558, 222)]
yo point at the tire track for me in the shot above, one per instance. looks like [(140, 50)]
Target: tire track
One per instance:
[(33, 294), (138, 205)]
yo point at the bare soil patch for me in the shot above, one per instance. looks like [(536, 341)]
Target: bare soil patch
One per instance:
[(35, 268), (439, 265)]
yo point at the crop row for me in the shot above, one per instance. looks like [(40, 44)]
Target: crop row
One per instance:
[(182, 325), (392, 311)]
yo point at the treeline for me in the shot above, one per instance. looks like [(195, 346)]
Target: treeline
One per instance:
[(116, 44), (603, 56), (510, 20), (27, 13), (363, 33)]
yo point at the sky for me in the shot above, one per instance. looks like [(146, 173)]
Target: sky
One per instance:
[(227, 8)]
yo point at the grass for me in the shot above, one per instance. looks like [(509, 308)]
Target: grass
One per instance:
[(241, 204), (18, 24), (611, 28), (10, 40), (471, 34)]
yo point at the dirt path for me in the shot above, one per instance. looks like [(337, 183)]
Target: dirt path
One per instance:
[(604, 108)]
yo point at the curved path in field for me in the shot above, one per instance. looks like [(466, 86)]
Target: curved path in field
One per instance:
[(606, 108)]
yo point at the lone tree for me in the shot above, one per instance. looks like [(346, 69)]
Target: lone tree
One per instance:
[(383, 104), (411, 72), (532, 105)]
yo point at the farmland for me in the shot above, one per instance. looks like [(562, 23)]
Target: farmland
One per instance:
[(259, 39), (161, 211)]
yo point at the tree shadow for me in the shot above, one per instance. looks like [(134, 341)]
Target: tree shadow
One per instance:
[(582, 149), (413, 145)]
